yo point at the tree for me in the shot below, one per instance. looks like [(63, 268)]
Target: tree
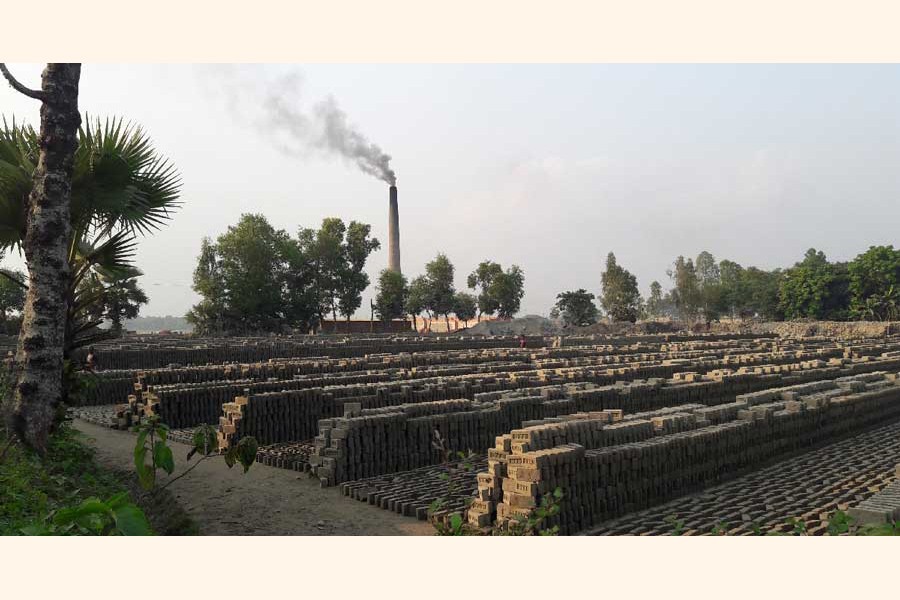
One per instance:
[(46, 242), (482, 278), (251, 257), (654, 306), (254, 278), (686, 293), (441, 290), (208, 316), (499, 291), (390, 303), (875, 283), (123, 299), (465, 306), (620, 297), (576, 308), (326, 247), (114, 300), (353, 280), (709, 289), (418, 299), (761, 291), (507, 290), (733, 295), (815, 288)]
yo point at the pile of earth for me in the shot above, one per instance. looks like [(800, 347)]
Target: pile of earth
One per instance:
[(807, 328), (527, 325)]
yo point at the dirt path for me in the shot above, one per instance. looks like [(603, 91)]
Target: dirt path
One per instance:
[(264, 501)]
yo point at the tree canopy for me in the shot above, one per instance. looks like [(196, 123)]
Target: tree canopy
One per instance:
[(257, 278), (620, 297), (576, 308), (393, 291)]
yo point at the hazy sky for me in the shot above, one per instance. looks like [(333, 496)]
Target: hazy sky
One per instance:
[(549, 167)]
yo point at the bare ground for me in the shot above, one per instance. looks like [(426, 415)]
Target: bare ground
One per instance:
[(264, 501)]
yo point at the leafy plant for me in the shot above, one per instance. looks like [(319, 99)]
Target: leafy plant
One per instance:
[(456, 464), (152, 442), (720, 528), (676, 523), (454, 526), (839, 523), (549, 507), (93, 516)]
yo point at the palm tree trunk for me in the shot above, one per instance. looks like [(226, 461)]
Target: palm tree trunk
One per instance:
[(39, 356)]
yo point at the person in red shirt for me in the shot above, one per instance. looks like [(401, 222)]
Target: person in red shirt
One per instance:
[(522, 341)]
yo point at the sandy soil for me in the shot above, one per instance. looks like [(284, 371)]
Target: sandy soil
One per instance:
[(264, 501)]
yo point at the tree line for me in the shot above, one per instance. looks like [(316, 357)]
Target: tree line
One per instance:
[(255, 278), (497, 292), (706, 290)]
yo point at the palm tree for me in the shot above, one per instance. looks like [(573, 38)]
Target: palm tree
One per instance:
[(121, 189)]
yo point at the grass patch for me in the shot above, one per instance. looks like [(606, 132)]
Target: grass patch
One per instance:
[(31, 486)]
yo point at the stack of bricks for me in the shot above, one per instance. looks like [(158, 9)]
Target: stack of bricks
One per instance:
[(153, 352), (687, 448), (882, 508), (502, 411)]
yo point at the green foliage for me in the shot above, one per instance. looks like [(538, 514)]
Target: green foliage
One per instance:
[(548, 508), (93, 516), (576, 308), (655, 305), (205, 443), (710, 294), (244, 452), (839, 523), (620, 297), (417, 298), (121, 188), (393, 292), (720, 528), (147, 445), (465, 306), (875, 284), (454, 526), (353, 280), (441, 291), (51, 494), (507, 290), (676, 523), (481, 279), (115, 298), (257, 278), (12, 292), (816, 289), (456, 463), (686, 293)]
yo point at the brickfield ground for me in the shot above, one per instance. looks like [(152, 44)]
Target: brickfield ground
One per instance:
[(808, 487), (633, 429)]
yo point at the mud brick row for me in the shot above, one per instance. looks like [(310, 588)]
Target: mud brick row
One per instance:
[(603, 482), (548, 401), (149, 352), (104, 387), (412, 493), (293, 456), (810, 486), (401, 438)]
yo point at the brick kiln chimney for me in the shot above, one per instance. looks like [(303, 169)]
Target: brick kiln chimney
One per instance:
[(393, 232)]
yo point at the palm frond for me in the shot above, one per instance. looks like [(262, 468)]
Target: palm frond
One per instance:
[(18, 155), (110, 258), (120, 181)]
